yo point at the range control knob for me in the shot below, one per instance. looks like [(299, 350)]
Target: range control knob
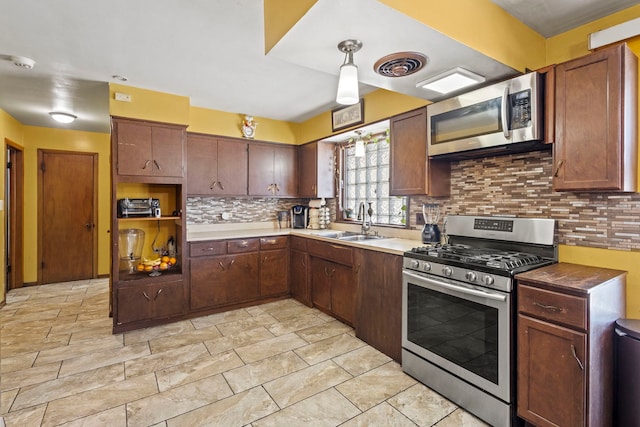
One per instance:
[(471, 276), (426, 266), (447, 271), (415, 263), (487, 280)]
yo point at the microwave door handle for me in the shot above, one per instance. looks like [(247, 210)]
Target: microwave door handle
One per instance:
[(503, 113)]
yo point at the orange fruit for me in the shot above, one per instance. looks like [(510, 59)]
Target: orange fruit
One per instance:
[(164, 266), (173, 260), (148, 268), (140, 267), (165, 259)]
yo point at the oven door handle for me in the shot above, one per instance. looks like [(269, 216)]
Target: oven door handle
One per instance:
[(461, 289)]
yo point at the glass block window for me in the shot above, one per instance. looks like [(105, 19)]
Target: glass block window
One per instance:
[(366, 179)]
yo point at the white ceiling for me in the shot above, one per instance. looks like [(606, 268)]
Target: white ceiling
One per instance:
[(213, 52)]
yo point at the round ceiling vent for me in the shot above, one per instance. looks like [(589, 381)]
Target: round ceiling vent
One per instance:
[(400, 64)]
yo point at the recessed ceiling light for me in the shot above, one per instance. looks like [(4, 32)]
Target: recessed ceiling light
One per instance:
[(119, 78), (452, 80), (62, 117), (23, 62)]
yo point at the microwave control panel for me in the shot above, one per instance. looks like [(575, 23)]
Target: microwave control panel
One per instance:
[(520, 109)]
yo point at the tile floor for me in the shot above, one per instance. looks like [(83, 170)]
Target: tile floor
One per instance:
[(277, 364)]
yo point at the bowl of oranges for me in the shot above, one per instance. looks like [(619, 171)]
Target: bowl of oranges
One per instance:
[(155, 267)]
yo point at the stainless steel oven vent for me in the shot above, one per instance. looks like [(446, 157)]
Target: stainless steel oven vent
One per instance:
[(400, 64)]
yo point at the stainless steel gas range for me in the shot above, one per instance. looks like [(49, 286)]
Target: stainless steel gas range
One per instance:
[(459, 308)]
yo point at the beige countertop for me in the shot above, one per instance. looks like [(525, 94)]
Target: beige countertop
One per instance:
[(398, 241)]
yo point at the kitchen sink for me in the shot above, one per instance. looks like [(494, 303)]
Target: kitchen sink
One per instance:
[(361, 237)]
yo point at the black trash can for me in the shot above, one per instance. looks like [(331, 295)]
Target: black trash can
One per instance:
[(628, 372)]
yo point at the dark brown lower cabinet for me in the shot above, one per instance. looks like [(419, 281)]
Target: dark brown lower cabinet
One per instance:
[(566, 320), (224, 279), (379, 310), (332, 282), (274, 272), (299, 276), (151, 301)]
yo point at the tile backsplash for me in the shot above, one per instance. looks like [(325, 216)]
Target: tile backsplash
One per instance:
[(511, 185), (521, 185)]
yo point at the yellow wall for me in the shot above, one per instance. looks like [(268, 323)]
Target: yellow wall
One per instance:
[(61, 139), (12, 130), (149, 105)]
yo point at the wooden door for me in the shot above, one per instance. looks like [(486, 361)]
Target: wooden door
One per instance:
[(260, 170), (14, 211), (299, 285), (343, 292), (308, 167), (67, 201), (167, 148), (321, 272)]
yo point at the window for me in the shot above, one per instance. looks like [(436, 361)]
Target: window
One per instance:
[(366, 179)]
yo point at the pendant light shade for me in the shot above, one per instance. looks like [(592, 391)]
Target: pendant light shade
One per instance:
[(359, 144), (348, 83)]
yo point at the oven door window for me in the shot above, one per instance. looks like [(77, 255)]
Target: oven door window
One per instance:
[(460, 331)]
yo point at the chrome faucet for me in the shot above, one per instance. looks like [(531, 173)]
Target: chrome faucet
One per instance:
[(366, 226)]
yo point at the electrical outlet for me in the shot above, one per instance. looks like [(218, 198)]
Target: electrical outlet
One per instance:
[(419, 219)]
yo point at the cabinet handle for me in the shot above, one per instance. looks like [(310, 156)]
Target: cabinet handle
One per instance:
[(575, 356), (209, 249), (144, 294), (212, 185), (157, 294), (231, 262), (269, 242), (221, 265), (265, 259), (220, 185), (304, 264), (157, 165), (244, 244), (328, 272), (277, 188), (548, 307), (146, 164), (560, 163)]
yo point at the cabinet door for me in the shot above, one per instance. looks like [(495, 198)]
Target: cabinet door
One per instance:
[(551, 374), (343, 292), (209, 280), (412, 173), (274, 272), (232, 168), (167, 149), (308, 167), (595, 122), (299, 280), (134, 149), (202, 164), (146, 302), (316, 170), (261, 178), (285, 170), (243, 277), (321, 273), (379, 301)]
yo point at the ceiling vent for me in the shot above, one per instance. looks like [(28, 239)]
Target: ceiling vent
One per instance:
[(400, 64)]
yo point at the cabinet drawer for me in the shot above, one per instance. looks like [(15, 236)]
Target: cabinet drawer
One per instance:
[(211, 247), (273, 242), (337, 253), (553, 306), (299, 243), (243, 245)]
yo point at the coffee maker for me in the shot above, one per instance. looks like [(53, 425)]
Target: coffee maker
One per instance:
[(299, 216)]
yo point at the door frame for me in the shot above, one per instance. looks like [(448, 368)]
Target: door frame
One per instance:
[(94, 229), (15, 221)]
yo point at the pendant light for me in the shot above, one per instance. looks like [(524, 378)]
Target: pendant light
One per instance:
[(348, 82)]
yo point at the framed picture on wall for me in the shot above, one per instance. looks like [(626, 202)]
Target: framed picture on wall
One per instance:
[(347, 116)]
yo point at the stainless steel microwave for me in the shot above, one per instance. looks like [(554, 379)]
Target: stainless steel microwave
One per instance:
[(500, 118)]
